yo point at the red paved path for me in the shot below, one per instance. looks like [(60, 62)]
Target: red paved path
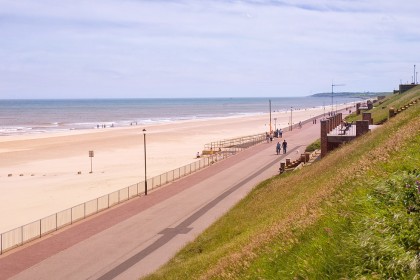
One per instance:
[(137, 237)]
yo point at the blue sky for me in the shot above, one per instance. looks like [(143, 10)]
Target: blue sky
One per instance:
[(203, 48)]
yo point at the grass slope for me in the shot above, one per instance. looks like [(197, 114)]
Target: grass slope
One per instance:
[(381, 110), (350, 215)]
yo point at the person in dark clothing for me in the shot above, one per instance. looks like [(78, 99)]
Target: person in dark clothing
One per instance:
[(278, 148), (284, 144)]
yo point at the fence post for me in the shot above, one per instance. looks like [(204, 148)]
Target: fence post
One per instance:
[(40, 228)]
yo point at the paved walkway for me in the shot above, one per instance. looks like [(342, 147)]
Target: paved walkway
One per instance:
[(137, 237)]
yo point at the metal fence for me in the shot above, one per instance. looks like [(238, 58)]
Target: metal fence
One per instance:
[(24, 234), (240, 142)]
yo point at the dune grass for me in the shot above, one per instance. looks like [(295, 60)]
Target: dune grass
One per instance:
[(348, 216)]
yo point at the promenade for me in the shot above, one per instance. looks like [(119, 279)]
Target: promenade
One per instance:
[(135, 238)]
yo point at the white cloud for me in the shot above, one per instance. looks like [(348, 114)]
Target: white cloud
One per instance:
[(140, 48)]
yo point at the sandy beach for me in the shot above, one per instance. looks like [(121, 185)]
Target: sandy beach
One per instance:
[(45, 167)]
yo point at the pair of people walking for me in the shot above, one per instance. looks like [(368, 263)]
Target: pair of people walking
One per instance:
[(282, 145)]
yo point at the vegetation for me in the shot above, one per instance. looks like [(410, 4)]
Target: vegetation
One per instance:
[(353, 215), (380, 111), (316, 145)]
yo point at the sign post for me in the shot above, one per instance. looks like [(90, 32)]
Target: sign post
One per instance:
[(91, 155)]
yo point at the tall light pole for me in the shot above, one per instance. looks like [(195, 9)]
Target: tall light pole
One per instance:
[(291, 120), (332, 95), (269, 102), (414, 75), (145, 163)]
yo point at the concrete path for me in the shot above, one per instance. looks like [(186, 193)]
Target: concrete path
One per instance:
[(135, 238)]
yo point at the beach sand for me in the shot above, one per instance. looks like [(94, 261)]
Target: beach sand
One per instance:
[(50, 162)]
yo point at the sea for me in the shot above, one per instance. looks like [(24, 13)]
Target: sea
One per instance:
[(35, 116)]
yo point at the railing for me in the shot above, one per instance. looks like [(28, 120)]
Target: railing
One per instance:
[(24, 234), (240, 142)]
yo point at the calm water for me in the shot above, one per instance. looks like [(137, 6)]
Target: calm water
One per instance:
[(39, 116)]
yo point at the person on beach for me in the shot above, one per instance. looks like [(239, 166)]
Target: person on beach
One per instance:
[(281, 133), (267, 137), (278, 148), (284, 144)]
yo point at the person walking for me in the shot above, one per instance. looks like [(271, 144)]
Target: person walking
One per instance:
[(278, 148), (284, 144)]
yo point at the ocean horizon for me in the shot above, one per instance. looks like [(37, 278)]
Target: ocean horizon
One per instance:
[(34, 116)]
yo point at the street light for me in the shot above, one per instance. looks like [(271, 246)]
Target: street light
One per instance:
[(269, 102), (145, 168), (291, 120), (332, 96)]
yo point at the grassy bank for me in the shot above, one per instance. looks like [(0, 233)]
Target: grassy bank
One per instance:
[(351, 215), (380, 111)]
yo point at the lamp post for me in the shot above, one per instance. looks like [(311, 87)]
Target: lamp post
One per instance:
[(145, 165), (291, 120), (332, 96), (269, 102)]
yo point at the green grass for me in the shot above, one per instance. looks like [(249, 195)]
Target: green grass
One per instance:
[(380, 111), (348, 216), (316, 145)]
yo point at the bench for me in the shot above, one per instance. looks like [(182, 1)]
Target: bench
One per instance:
[(344, 128)]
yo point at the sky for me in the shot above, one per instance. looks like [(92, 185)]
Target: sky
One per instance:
[(205, 48)]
